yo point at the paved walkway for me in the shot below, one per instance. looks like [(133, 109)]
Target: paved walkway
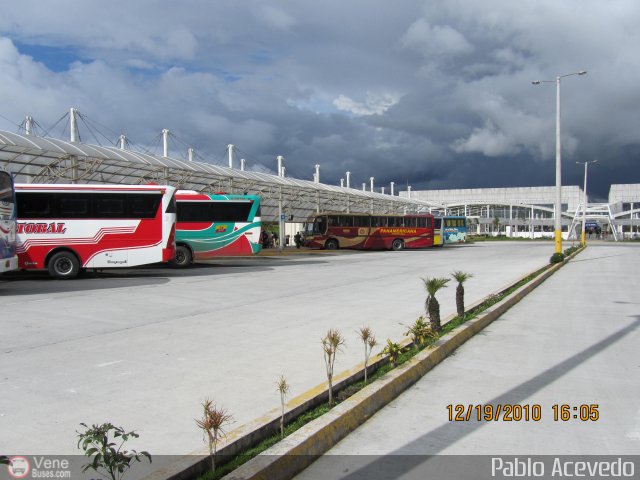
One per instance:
[(573, 341)]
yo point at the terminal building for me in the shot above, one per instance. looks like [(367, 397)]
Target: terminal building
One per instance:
[(529, 211), (514, 212)]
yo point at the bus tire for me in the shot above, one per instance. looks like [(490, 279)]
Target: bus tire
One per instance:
[(182, 257), (63, 265), (332, 244), (397, 244)]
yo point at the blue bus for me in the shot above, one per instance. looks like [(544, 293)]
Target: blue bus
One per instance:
[(8, 255), (454, 229)]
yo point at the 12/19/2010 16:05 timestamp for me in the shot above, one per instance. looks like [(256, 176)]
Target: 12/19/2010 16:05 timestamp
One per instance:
[(527, 413)]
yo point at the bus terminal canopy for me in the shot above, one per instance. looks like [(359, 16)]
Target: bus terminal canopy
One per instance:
[(33, 159)]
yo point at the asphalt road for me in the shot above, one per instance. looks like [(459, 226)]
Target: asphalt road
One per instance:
[(142, 348)]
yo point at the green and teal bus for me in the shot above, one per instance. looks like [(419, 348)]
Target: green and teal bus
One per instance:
[(215, 225)]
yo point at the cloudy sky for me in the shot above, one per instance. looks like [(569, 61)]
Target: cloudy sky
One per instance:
[(435, 94)]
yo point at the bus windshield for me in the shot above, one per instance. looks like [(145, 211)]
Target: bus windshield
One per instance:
[(8, 257), (6, 197), (319, 226)]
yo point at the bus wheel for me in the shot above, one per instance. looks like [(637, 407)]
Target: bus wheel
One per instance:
[(182, 258), (397, 244), (63, 266), (331, 244)]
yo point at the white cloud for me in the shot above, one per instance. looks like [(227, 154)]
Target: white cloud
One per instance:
[(276, 18), (430, 39), (487, 140), (283, 78), (374, 104)]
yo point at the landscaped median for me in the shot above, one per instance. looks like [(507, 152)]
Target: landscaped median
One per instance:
[(296, 451)]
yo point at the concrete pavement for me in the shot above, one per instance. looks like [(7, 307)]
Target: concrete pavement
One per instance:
[(573, 342), (141, 348)]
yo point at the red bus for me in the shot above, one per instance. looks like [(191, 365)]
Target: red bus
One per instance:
[(65, 228), (369, 232)]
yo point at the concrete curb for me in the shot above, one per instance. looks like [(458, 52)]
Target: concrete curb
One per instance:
[(297, 451)]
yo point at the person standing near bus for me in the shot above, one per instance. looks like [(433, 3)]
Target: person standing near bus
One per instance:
[(297, 238)]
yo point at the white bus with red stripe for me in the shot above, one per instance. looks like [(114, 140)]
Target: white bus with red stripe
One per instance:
[(66, 228)]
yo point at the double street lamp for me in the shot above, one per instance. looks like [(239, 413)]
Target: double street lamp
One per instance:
[(558, 203), (584, 203)]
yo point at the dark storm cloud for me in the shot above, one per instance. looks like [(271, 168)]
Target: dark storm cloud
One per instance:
[(434, 94)]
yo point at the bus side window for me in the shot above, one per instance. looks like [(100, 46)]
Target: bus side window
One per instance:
[(230, 211), (146, 205), (108, 206), (346, 221), (73, 206), (33, 205), (360, 221), (378, 221)]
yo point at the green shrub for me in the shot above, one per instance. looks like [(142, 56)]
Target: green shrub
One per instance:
[(420, 332), (103, 445), (556, 258), (571, 250), (393, 350)]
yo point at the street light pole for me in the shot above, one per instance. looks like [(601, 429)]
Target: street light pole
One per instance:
[(558, 209), (584, 204), (558, 203)]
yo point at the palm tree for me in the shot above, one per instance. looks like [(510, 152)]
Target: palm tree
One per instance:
[(283, 388), (496, 224), (431, 305), (460, 277), (331, 344), (213, 421), (369, 341)]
